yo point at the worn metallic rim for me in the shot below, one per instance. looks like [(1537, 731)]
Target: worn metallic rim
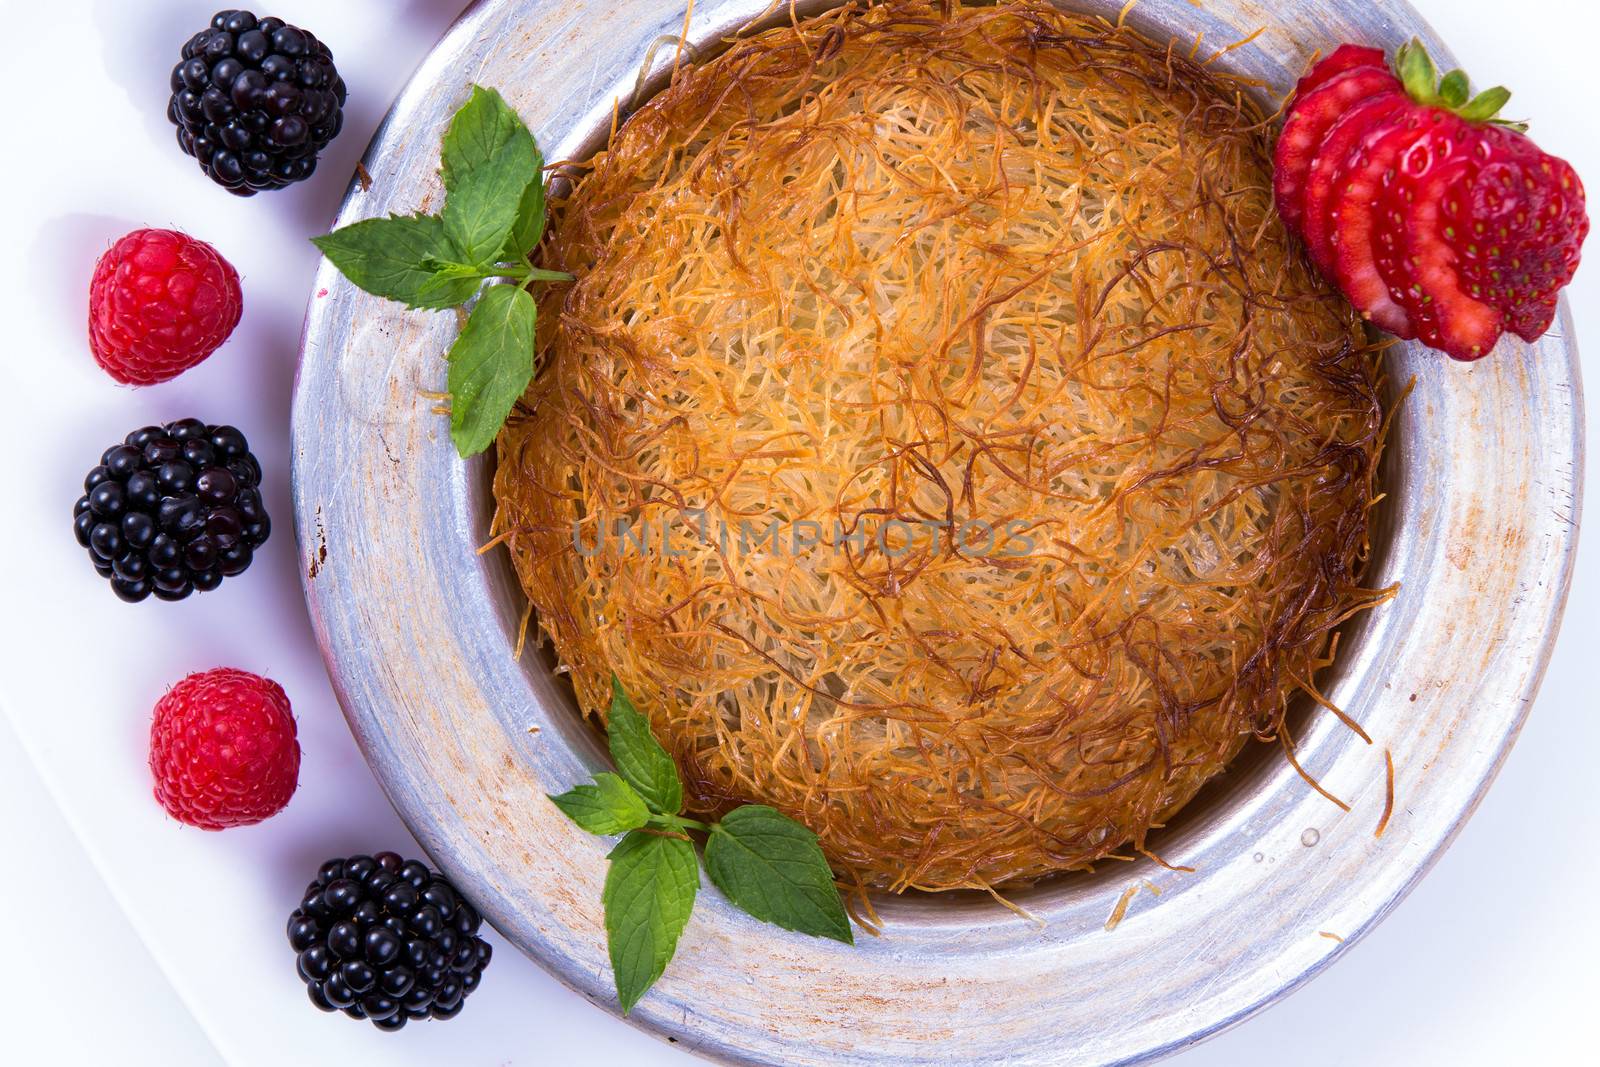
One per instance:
[(418, 632)]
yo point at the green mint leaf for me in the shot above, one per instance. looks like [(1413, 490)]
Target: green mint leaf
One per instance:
[(390, 257), (488, 161), (529, 226), (773, 868), (491, 364), (609, 806), (649, 893), (640, 757)]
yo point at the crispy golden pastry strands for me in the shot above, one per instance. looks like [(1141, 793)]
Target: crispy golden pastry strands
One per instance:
[(1121, 909), (1388, 793), (930, 263)]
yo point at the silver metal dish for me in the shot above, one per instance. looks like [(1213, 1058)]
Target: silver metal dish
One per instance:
[(1480, 524)]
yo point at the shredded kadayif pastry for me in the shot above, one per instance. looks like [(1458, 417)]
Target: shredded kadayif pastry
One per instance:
[(867, 286)]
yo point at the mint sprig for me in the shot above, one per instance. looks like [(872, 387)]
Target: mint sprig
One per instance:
[(763, 861), (493, 219)]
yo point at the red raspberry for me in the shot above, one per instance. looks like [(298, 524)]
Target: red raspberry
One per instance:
[(223, 749), (160, 302)]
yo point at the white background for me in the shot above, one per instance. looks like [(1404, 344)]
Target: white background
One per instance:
[(130, 939)]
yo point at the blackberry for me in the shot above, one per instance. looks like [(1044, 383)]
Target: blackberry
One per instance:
[(388, 940), (172, 509), (255, 101)]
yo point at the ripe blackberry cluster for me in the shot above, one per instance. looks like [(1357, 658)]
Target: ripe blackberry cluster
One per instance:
[(173, 509), (388, 940), (255, 101)]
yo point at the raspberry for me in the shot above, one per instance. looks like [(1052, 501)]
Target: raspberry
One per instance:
[(160, 302), (223, 749)]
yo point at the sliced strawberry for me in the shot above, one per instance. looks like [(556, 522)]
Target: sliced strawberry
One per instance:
[(1368, 119), (1345, 57), (1517, 229), (1423, 265), (1438, 219), (1363, 230), (1308, 122)]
